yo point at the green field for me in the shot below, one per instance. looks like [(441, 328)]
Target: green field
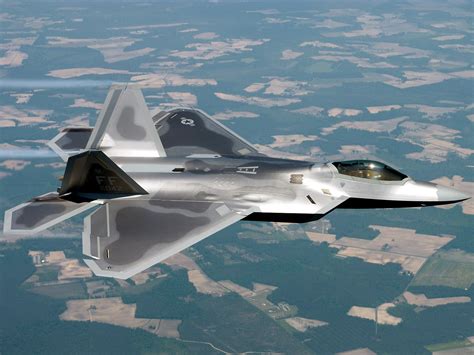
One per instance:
[(61, 291), (47, 273), (29, 320), (231, 323), (456, 344), (452, 268)]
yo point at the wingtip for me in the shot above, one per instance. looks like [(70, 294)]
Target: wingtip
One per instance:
[(98, 271)]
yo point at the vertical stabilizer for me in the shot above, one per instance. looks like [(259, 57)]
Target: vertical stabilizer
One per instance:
[(92, 175), (125, 127)]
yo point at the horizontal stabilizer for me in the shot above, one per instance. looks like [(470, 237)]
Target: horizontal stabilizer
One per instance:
[(40, 213), (70, 141)]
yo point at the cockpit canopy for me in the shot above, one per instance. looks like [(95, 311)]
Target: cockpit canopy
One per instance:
[(368, 169)]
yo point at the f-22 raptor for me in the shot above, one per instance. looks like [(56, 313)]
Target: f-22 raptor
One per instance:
[(158, 184)]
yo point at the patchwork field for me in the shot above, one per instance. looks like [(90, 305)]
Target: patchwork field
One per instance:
[(303, 324), (383, 317), (360, 351), (114, 311), (452, 268), (258, 298), (196, 276), (60, 290), (393, 245), (422, 300), (59, 267), (460, 347)]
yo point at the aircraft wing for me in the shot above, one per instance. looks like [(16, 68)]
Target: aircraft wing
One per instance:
[(125, 237), (185, 132)]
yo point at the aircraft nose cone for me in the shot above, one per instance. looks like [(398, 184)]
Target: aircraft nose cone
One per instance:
[(447, 194)]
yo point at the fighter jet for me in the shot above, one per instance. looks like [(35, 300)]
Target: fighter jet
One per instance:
[(158, 183)]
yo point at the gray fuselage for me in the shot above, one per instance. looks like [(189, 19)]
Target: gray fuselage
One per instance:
[(279, 189)]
